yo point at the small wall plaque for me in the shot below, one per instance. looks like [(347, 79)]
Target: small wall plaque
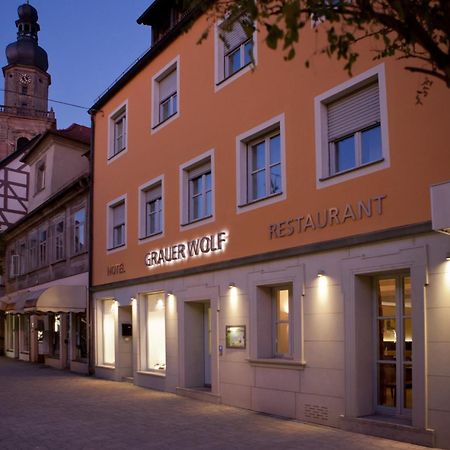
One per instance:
[(235, 336)]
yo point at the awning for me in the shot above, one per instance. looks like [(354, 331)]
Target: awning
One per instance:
[(57, 299), (15, 304), (3, 303)]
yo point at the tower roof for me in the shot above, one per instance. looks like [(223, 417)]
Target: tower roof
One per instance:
[(26, 51)]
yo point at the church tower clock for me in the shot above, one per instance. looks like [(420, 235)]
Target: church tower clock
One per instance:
[(25, 113)]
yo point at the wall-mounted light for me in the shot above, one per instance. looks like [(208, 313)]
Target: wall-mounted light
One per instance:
[(169, 292), (320, 273), (447, 257), (231, 285), (132, 299)]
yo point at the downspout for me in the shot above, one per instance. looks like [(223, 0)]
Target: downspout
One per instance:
[(90, 315)]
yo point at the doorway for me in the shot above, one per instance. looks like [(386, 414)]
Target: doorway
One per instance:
[(198, 344)]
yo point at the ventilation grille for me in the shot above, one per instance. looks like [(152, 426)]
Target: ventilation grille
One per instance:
[(316, 412)]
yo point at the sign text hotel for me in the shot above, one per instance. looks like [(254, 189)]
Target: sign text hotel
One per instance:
[(327, 217), (202, 246)]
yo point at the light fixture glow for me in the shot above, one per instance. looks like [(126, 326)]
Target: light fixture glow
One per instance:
[(231, 285), (320, 273), (447, 257)]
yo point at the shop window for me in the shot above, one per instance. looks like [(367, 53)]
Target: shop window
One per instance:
[(106, 320), (165, 87), (54, 335), (24, 324), (9, 332), (79, 231), (151, 209), (153, 353), (198, 189), (118, 132), (80, 336), (351, 128), (394, 345), (235, 50), (116, 224), (261, 167)]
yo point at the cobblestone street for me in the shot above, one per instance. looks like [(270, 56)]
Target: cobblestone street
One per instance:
[(43, 408)]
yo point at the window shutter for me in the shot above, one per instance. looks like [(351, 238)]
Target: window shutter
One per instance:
[(353, 112), (235, 37), (119, 214), (168, 85), (153, 193)]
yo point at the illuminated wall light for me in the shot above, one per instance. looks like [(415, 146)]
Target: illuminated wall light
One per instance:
[(447, 257), (320, 273), (231, 285), (322, 286)]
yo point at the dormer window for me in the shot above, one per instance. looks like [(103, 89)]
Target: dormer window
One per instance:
[(40, 176)]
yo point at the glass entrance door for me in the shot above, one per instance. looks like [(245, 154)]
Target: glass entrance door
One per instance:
[(394, 345)]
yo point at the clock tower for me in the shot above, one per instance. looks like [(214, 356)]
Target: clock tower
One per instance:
[(25, 113)]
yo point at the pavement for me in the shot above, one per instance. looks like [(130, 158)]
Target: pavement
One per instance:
[(45, 408)]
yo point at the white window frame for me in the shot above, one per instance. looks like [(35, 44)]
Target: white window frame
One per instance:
[(219, 61), (33, 252), (120, 113), (189, 170), (156, 123), (155, 183), (323, 176), (110, 224), (268, 128)]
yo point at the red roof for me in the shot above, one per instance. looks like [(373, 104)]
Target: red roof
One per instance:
[(77, 132)]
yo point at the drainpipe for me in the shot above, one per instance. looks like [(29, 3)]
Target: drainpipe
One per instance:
[(90, 315)]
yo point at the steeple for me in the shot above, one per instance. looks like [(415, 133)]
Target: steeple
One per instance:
[(26, 51)]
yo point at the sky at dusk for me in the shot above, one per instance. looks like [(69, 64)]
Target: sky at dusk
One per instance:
[(89, 44)]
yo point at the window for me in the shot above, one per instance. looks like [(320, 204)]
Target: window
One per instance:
[(118, 131), (235, 50), (58, 240), (43, 233), (116, 224), (351, 128), (264, 167), (151, 209), (394, 363), (165, 87), (13, 264), (22, 258), (40, 176), (106, 313), (281, 322), (197, 183), (79, 231), (33, 250), (275, 327), (153, 353), (260, 159)]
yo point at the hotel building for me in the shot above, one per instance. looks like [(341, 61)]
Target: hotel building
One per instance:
[(274, 237)]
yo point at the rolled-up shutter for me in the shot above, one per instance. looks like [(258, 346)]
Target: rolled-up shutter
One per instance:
[(354, 112), (168, 85), (235, 37), (119, 214)]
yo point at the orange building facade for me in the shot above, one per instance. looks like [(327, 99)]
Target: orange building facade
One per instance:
[(267, 236)]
